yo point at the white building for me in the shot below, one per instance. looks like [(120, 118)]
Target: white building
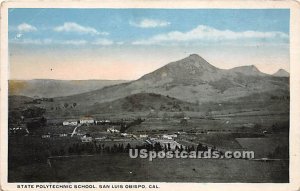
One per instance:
[(86, 139), (100, 138), (70, 122), (173, 136), (143, 136), (167, 137), (46, 136), (86, 120), (112, 130)]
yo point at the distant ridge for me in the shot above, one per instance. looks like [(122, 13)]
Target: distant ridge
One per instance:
[(281, 73), (191, 79), (248, 70), (56, 88)]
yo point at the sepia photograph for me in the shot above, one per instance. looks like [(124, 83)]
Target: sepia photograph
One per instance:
[(173, 95)]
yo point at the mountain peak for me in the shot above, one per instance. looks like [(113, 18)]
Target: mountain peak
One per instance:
[(194, 56), (196, 61), (247, 70), (191, 68), (281, 73)]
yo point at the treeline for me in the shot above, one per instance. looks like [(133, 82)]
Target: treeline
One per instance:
[(91, 148), (274, 97), (125, 126), (95, 148)]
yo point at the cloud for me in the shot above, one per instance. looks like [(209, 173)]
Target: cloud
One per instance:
[(149, 23), (208, 34), (24, 27), (74, 27), (73, 42), (102, 41), (32, 41), (48, 41)]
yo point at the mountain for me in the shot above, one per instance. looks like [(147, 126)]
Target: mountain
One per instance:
[(191, 69), (281, 73), (142, 102), (56, 88), (191, 79), (194, 68), (16, 101), (247, 70)]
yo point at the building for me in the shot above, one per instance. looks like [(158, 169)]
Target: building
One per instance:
[(143, 136), (86, 120), (112, 130), (18, 129), (127, 135), (46, 136), (167, 137), (171, 143), (173, 135), (86, 139), (70, 122)]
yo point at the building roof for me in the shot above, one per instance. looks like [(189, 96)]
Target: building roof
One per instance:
[(71, 120)]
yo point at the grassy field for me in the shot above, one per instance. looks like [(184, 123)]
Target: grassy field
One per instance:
[(119, 167), (263, 146)]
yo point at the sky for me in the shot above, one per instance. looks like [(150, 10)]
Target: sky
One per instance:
[(125, 44)]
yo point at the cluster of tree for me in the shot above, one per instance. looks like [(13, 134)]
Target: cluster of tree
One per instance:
[(91, 148), (14, 117), (65, 105), (32, 116), (167, 147), (135, 122), (73, 105), (36, 124), (33, 112), (39, 100), (94, 148), (274, 97), (171, 106)]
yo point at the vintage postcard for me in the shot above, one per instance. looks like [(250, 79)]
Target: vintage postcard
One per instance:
[(150, 95)]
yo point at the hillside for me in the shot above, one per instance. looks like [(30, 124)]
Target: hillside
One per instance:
[(142, 102), (17, 102), (191, 79), (281, 73), (56, 88)]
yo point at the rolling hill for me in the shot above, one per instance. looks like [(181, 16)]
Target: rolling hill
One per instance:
[(281, 73), (142, 102), (56, 88), (191, 79)]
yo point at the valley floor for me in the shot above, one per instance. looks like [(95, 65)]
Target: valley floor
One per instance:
[(121, 168)]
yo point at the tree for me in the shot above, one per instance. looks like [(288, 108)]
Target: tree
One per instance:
[(183, 121), (66, 105), (128, 147), (62, 152), (33, 112)]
